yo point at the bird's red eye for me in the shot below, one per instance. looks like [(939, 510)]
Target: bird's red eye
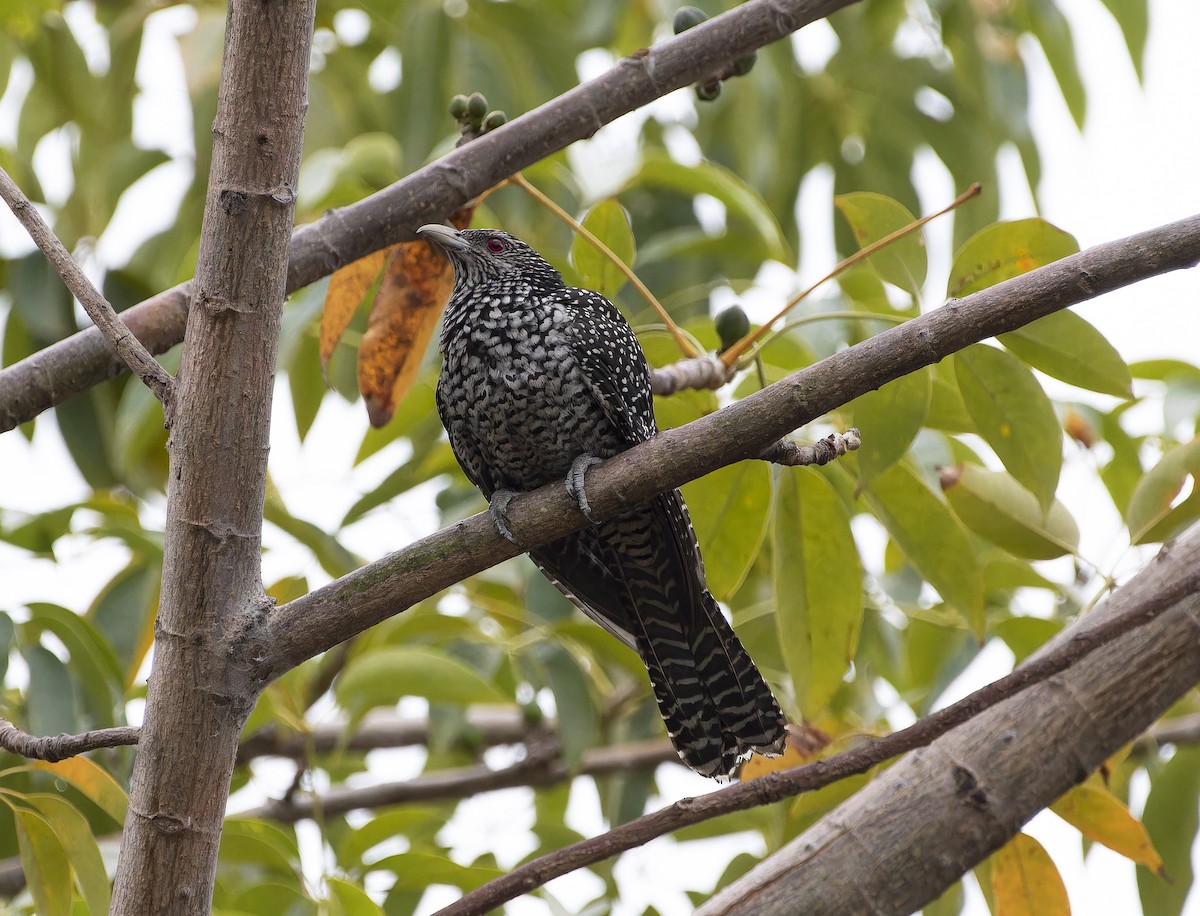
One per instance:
[(495, 245)]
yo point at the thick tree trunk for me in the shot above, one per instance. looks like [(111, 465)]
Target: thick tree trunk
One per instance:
[(201, 690), (914, 830)]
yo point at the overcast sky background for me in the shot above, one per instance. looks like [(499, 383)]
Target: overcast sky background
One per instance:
[(1132, 168)]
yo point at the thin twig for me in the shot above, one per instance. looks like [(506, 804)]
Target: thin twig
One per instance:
[(731, 355), (127, 347), (684, 344), (1146, 607), (54, 748)]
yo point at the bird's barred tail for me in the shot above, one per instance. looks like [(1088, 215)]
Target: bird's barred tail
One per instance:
[(716, 705)]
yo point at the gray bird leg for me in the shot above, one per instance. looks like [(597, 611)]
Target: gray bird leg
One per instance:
[(498, 510), (575, 483)]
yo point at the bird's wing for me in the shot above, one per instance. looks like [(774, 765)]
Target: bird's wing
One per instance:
[(612, 360), (466, 453)]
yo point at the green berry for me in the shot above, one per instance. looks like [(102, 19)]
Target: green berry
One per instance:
[(744, 65), (458, 107), (686, 17), (494, 120), (706, 92), (732, 325), (477, 107)]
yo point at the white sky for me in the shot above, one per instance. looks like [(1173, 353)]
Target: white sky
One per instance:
[(1133, 168)]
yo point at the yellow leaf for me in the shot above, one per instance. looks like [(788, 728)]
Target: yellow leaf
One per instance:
[(803, 743), (345, 293), (1025, 881), (93, 781), (1102, 817)]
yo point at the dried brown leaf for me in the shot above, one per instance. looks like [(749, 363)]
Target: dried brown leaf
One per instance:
[(406, 311)]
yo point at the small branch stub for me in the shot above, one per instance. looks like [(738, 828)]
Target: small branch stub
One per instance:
[(120, 338), (54, 748)]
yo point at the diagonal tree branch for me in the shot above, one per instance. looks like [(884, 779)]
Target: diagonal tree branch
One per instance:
[(124, 344), (1151, 621), (311, 624), (972, 790), (392, 215)]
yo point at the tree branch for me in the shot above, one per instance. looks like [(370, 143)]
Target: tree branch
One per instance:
[(392, 215), (1173, 577), (198, 697), (915, 829), (539, 770), (124, 344), (321, 619), (491, 724), (1181, 730), (54, 748)]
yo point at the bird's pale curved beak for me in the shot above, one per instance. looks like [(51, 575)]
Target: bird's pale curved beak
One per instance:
[(444, 237)]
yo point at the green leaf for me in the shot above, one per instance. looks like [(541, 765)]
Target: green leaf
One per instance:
[(1013, 415), (1171, 817), (817, 579), (1002, 251), (271, 849), (335, 559), (1162, 370), (730, 509), (346, 899), (92, 658), (1025, 635), (1066, 347), (742, 202), (609, 222), (1133, 16), (932, 539), (418, 870), (7, 636), (1154, 514), (50, 706), (996, 507), (72, 830), (47, 869), (124, 613), (577, 719), (873, 216), (381, 677), (889, 420), (1053, 32)]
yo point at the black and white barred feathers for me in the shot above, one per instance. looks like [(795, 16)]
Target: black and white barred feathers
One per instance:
[(536, 376)]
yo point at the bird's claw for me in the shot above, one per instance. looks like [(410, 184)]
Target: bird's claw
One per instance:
[(575, 484), (498, 510)]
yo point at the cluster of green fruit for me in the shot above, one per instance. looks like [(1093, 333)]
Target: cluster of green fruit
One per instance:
[(471, 111), (687, 17)]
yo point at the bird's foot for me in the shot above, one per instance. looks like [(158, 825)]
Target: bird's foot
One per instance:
[(498, 510), (575, 483)]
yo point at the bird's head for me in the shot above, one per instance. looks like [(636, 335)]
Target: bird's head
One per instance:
[(481, 255)]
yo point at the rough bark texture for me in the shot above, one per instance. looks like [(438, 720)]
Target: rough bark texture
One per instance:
[(199, 694), (324, 617), (427, 195), (914, 830)]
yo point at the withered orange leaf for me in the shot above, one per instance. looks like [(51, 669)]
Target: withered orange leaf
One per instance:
[(407, 308), (343, 297)]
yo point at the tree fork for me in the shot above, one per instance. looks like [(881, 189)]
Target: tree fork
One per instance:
[(200, 692)]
